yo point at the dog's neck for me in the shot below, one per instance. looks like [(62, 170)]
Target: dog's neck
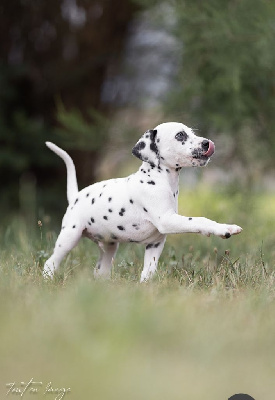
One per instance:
[(169, 175), (173, 178)]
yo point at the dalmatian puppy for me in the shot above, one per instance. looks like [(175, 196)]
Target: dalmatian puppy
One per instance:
[(140, 208)]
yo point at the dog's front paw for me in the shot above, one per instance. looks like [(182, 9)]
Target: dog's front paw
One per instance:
[(48, 271), (230, 230), (47, 274)]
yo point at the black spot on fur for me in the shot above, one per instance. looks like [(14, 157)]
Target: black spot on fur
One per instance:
[(141, 181), (88, 194), (110, 210), (100, 195), (151, 183), (113, 236), (136, 226), (92, 220), (105, 217), (190, 219), (152, 245), (110, 199), (121, 212), (227, 235), (167, 170), (73, 226), (76, 201), (198, 154), (121, 228), (145, 209), (93, 200), (131, 201)]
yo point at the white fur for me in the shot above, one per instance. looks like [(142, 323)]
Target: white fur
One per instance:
[(140, 208)]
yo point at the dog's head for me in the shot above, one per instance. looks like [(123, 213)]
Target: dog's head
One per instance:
[(173, 145)]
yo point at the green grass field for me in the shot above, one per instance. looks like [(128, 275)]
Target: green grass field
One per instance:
[(204, 328)]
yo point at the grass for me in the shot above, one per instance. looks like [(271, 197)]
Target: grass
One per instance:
[(203, 328)]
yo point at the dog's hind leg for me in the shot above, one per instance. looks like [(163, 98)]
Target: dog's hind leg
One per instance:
[(104, 264), (66, 241), (151, 257)]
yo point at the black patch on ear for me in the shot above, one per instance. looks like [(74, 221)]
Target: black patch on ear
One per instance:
[(150, 153), (153, 145), (138, 147)]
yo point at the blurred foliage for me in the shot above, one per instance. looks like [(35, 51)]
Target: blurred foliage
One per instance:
[(54, 53), (226, 82), (81, 133)]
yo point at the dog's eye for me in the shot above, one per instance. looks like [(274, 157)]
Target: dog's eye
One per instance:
[(181, 136)]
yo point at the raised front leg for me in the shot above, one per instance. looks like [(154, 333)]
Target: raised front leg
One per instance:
[(151, 257), (174, 223)]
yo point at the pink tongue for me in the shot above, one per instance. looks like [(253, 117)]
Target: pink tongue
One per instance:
[(211, 149)]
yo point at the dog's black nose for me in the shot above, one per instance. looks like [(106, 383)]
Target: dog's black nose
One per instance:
[(205, 145)]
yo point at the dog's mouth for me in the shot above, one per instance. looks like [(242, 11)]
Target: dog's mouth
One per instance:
[(201, 154), (211, 149)]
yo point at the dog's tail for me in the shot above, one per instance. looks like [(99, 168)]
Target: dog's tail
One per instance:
[(72, 187)]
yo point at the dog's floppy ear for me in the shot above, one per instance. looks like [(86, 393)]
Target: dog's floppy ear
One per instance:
[(146, 148)]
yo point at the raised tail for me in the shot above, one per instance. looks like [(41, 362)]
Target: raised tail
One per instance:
[(72, 187)]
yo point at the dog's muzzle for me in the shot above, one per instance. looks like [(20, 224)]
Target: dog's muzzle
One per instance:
[(208, 147), (204, 152)]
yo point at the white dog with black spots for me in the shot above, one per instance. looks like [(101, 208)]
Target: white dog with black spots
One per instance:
[(141, 208)]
